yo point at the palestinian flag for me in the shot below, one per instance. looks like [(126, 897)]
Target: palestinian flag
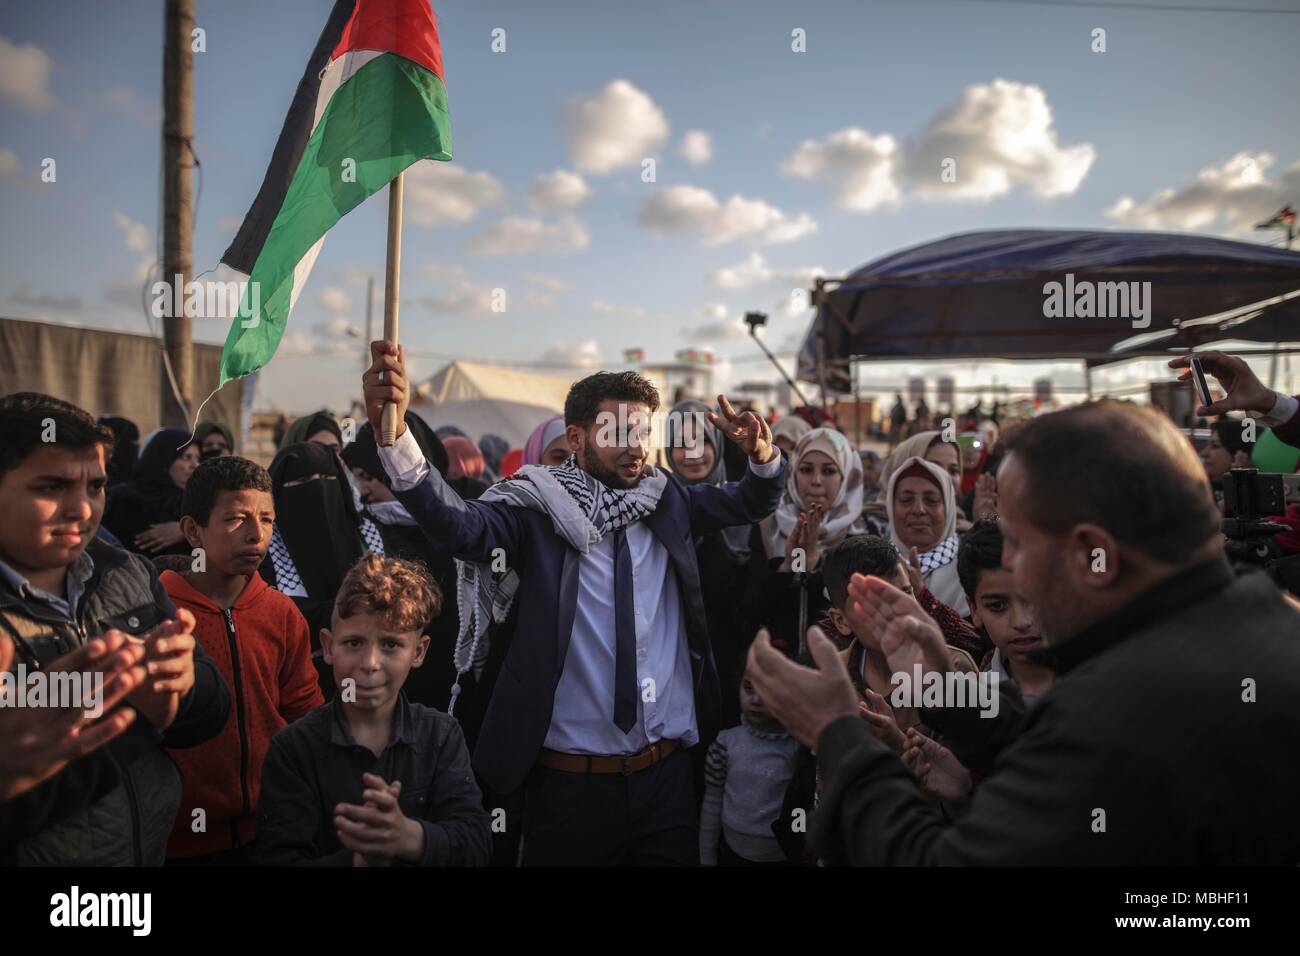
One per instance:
[(370, 103), (1285, 219)]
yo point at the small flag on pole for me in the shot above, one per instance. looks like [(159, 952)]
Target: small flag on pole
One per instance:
[(370, 103), (1284, 219), (634, 355)]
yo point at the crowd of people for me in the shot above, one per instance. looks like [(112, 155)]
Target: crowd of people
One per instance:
[(448, 652)]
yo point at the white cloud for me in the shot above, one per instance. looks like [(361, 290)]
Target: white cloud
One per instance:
[(139, 238), (753, 271), (230, 224), (800, 277), (332, 338), (1000, 137), (440, 194), (690, 210), (335, 301), (25, 296), (608, 308), (859, 167), (10, 165), (585, 354), (794, 305), (1230, 199), (437, 270), (615, 128), (715, 326), (548, 282), (357, 275), (337, 336), (539, 300), (137, 235), (696, 147), (464, 298), (25, 76), (516, 236), (757, 272), (558, 191), (125, 100)]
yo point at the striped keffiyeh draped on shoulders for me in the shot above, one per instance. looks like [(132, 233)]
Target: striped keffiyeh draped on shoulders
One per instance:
[(582, 511)]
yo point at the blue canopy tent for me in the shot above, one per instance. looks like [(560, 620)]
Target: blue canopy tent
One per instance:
[(1051, 294)]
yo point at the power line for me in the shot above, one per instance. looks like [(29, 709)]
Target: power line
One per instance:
[(1117, 5)]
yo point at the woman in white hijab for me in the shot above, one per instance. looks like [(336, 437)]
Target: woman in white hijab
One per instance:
[(923, 520), (822, 505), (787, 430)]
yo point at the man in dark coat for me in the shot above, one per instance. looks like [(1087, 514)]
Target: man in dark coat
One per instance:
[(1168, 734), (609, 677)]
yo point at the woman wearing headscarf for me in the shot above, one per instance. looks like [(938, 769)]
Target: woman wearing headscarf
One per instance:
[(695, 456), (215, 440), (431, 683), (465, 472), (318, 535), (870, 475), (822, 505), (494, 448), (145, 512), (126, 436), (548, 444), (787, 430), (319, 427), (930, 446), (923, 527)]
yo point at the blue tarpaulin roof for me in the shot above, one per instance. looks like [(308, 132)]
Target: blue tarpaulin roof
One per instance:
[(987, 295)]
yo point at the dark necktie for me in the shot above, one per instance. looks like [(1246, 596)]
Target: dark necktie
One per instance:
[(624, 636)]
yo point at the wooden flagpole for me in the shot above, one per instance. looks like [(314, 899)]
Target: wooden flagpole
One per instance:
[(392, 285)]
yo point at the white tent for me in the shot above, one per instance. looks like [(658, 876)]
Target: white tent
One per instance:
[(489, 399)]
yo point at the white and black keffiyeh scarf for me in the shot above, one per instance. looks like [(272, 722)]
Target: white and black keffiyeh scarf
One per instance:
[(287, 580), (582, 510), (938, 556)]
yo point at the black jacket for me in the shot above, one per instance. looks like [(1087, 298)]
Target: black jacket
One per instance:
[(1168, 739), (772, 599), (314, 764), (115, 806)]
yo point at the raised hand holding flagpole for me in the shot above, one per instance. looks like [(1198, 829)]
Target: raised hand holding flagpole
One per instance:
[(392, 289)]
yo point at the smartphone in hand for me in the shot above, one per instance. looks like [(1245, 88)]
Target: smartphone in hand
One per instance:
[(1198, 379)]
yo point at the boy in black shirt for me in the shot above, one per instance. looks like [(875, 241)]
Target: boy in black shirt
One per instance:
[(370, 779)]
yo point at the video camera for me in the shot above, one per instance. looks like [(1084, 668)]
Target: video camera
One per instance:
[(1250, 497)]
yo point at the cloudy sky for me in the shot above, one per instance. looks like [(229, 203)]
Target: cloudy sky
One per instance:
[(771, 164)]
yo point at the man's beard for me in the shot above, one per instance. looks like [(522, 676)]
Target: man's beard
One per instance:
[(606, 476)]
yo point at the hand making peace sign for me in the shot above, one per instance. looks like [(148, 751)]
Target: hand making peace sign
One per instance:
[(746, 429)]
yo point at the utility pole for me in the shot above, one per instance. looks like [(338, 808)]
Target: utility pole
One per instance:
[(178, 208)]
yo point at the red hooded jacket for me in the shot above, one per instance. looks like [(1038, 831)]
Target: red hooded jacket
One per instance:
[(263, 649)]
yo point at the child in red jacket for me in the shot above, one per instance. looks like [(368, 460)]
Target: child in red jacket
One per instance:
[(257, 638)]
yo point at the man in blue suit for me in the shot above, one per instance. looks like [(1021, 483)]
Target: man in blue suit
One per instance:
[(608, 678)]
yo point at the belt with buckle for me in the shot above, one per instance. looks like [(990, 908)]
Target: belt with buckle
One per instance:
[(592, 763)]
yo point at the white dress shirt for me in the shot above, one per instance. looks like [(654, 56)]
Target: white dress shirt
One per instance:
[(1283, 410)]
